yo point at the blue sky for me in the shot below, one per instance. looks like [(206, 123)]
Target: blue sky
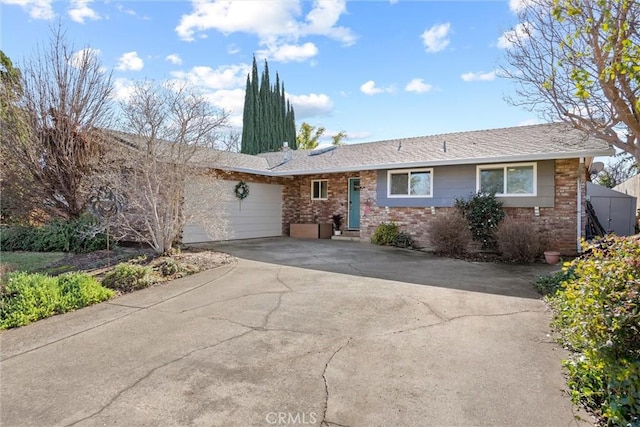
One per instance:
[(375, 69)]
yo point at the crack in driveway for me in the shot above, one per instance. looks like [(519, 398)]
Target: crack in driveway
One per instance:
[(150, 372), (464, 316), (326, 385)]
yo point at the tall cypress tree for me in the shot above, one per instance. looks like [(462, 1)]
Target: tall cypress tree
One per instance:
[(268, 119)]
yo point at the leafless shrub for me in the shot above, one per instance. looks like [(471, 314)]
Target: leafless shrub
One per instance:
[(519, 241), (49, 126), (167, 139), (449, 234)]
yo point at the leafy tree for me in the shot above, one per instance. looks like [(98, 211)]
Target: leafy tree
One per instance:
[(579, 62), (50, 125), (16, 202), (338, 137), (308, 136), (618, 171), (268, 117)]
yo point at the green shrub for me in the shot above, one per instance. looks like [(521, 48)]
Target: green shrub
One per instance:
[(78, 235), (385, 234), (128, 277), (519, 241), (551, 283), (449, 234), (597, 314), (26, 297), (483, 212), (80, 290)]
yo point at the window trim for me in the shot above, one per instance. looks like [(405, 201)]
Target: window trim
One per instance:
[(409, 172), (326, 181), (505, 167)]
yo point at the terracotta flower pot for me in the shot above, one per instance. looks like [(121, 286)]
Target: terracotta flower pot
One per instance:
[(552, 257)]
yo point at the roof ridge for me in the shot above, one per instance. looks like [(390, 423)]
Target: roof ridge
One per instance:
[(455, 133)]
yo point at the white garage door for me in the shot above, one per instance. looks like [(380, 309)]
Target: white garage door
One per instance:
[(228, 218)]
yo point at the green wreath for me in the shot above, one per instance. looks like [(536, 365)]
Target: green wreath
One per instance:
[(241, 190)]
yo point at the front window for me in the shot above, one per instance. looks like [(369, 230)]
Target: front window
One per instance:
[(319, 189), (410, 183), (508, 180)]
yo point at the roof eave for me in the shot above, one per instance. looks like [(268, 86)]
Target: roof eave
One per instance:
[(448, 162)]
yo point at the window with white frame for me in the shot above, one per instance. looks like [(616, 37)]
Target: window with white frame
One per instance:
[(319, 189), (508, 180), (410, 183)]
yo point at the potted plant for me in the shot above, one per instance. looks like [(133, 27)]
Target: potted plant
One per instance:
[(337, 223)]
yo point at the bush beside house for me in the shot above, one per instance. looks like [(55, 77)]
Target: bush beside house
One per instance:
[(597, 316)]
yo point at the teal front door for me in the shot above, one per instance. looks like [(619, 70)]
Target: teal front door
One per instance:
[(353, 222)]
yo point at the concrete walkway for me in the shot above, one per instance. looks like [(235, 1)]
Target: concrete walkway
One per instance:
[(388, 337)]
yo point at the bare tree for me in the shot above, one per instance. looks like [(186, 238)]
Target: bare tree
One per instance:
[(230, 141), (579, 61), (50, 129), (168, 134)]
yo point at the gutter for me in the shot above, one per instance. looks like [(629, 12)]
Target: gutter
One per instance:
[(579, 222)]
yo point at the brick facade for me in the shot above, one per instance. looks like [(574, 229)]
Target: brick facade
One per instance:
[(558, 223), (299, 208)]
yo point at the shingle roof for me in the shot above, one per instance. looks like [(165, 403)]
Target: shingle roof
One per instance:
[(523, 143)]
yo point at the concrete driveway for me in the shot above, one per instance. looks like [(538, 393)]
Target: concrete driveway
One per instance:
[(299, 333)]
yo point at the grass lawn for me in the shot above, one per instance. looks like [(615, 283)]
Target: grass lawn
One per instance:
[(30, 261)]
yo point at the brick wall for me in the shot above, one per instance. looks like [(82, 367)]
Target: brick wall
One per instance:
[(299, 208), (560, 222)]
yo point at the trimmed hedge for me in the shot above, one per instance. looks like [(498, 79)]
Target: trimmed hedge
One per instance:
[(25, 297), (597, 315)]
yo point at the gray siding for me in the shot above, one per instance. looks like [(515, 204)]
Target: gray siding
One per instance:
[(450, 182)]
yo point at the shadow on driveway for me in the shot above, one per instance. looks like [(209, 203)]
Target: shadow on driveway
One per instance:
[(368, 260)]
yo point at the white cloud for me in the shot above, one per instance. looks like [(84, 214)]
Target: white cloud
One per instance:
[(78, 57), (418, 86), (370, 88), (358, 135), (273, 22), (522, 31), (37, 9), (321, 20), (174, 58), (223, 77), (123, 9), (122, 89), (311, 105), (289, 52), (529, 122), (232, 49), (79, 10), (518, 6), (130, 61), (230, 100), (436, 38), (475, 77)]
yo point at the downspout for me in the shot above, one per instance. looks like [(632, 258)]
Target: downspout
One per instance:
[(579, 230)]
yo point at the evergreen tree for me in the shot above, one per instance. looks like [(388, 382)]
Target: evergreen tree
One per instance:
[(268, 118)]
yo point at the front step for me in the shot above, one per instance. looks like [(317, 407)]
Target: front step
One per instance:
[(347, 238), (351, 235)]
